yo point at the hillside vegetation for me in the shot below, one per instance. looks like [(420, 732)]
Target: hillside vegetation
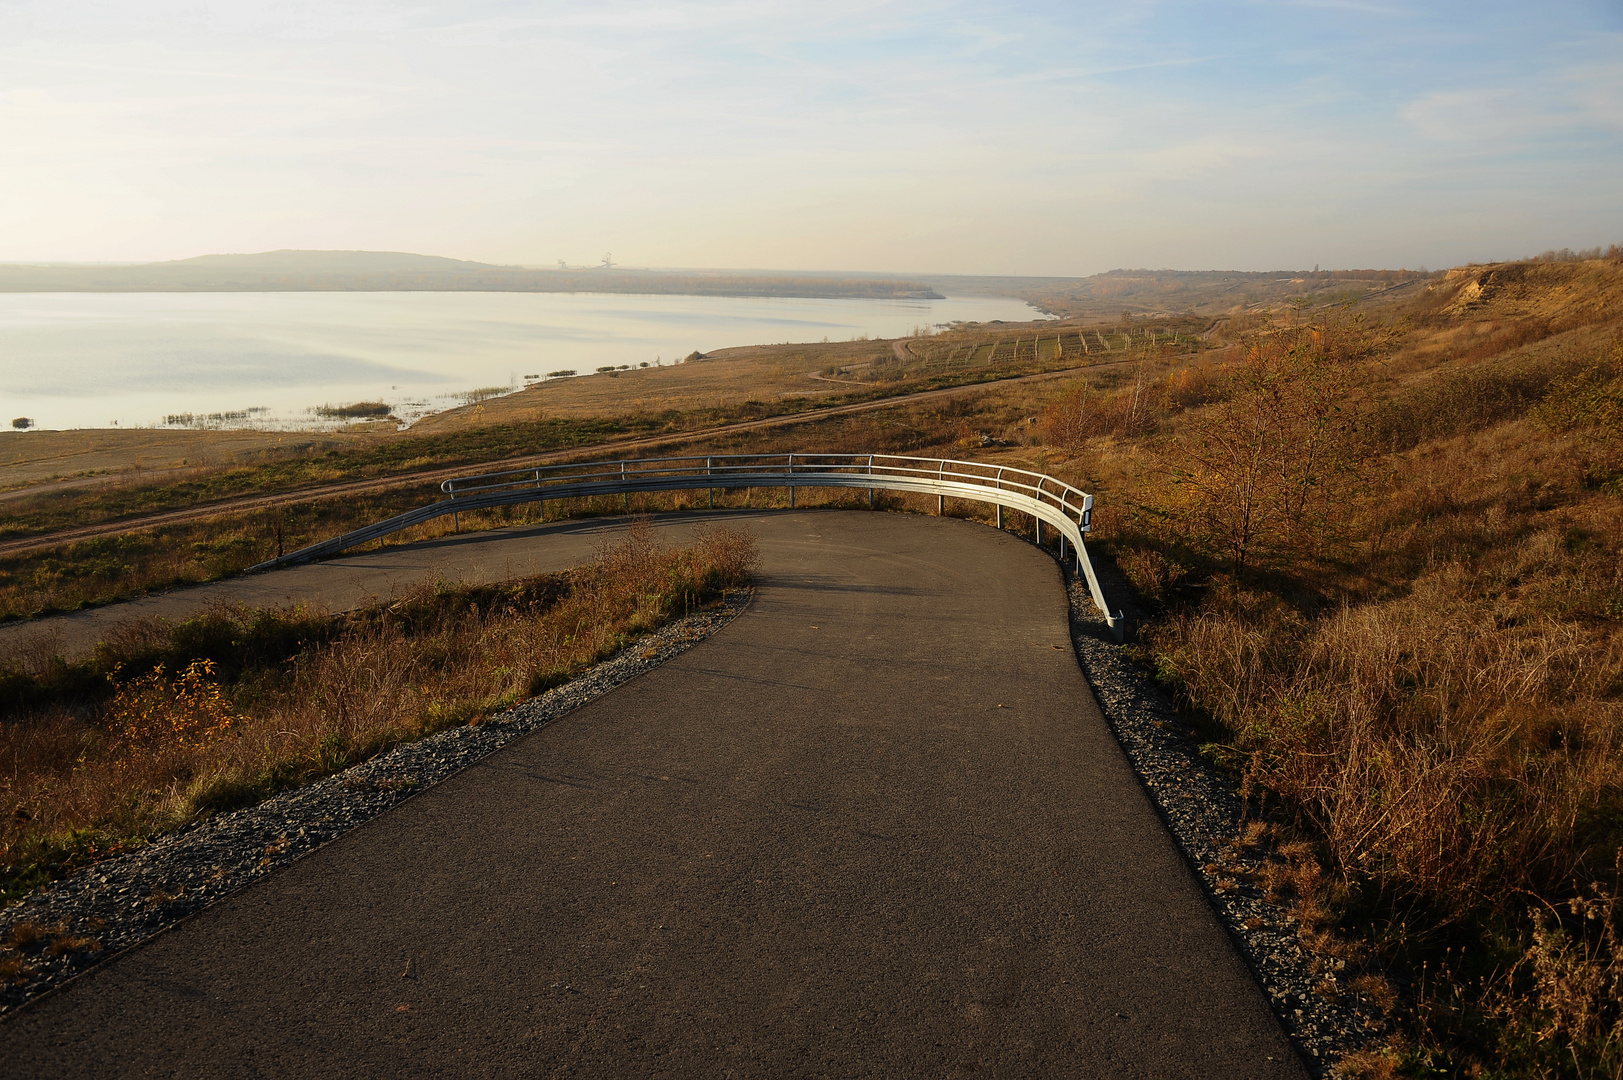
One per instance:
[(1211, 292), (1387, 556)]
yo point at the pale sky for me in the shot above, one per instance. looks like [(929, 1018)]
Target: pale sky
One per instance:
[(1012, 138)]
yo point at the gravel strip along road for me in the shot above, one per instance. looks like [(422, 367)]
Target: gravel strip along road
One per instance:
[(875, 826), (1326, 1016), (123, 901)]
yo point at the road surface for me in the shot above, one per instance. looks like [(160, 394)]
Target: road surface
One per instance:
[(875, 827)]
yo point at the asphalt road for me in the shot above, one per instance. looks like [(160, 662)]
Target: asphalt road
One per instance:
[(875, 827), (352, 581)]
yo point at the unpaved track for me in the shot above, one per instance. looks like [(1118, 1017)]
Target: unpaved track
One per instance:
[(875, 827), (619, 448)]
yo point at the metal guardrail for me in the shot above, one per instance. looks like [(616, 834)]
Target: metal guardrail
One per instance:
[(1068, 510)]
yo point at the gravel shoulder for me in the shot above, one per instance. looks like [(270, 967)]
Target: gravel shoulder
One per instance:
[(120, 903), (1202, 809)]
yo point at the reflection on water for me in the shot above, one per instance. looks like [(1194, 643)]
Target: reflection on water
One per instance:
[(322, 360)]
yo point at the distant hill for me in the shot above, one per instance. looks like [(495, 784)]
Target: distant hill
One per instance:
[(294, 261), (1208, 292), (395, 271)]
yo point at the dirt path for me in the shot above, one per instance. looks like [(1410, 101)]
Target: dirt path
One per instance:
[(50, 486), (875, 827), (22, 545)]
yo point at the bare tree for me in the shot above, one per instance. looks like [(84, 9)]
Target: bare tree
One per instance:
[(1265, 471)]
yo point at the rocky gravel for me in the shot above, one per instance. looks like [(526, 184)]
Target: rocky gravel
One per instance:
[(1202, 808), (120, 902)]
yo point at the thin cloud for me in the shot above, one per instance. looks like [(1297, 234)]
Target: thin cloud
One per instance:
[(195, 73), (843, 135), (1360, 6)]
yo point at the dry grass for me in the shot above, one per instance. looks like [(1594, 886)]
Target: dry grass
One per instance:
[(30, 940), (1577, 988), (1411, 653), (769, 376), (117, 567), (29, 458), (1422, 679), (110, 568), (1210, 292), (167, 722), (1121, 404), (1452, 747)]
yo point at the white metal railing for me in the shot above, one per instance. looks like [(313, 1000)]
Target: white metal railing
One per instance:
[(1068, 510)]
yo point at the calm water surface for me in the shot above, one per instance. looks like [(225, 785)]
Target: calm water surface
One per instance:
[(269, 360)]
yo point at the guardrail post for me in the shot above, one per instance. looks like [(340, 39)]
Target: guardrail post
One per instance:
[(1035, 518), (1000, 505), (791, 481), (625, 496), (707, 474), (870, 485), (940, 500)]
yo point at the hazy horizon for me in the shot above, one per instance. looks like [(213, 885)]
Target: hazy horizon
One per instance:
[(902, 138), (764, 270)]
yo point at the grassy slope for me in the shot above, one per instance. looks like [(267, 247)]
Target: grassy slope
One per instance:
[(1426, 678), (570, 413)]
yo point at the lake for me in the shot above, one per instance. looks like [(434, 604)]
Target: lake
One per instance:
[(273, 360)]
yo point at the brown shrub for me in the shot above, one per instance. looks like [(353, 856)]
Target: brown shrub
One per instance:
[(155, 711), (64, 944), (1079, 412), (1261, 475), (1436, 742), (1573, 974)]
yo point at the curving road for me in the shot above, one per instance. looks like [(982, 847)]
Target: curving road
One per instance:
[(877, 827)]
